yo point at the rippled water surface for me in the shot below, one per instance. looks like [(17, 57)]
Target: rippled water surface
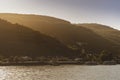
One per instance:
[(63, 72)]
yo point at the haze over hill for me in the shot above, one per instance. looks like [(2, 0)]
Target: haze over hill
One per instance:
[(71, 35), (17, 40)]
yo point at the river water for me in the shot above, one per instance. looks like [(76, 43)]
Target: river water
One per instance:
[(62, 72)]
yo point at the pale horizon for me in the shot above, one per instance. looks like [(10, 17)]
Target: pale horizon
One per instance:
[(78, 11)]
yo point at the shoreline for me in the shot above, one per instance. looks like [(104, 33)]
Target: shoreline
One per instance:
[(56, 63)]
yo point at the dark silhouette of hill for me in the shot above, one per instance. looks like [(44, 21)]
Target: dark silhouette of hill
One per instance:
[(17, 40), (76, 37)]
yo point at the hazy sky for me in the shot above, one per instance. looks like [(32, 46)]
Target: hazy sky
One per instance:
[(76, 11)]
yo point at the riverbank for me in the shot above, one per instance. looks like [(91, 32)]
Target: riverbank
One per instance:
[(26, 60), (56, 63)]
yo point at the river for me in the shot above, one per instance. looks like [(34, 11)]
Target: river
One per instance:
[(62, 72)]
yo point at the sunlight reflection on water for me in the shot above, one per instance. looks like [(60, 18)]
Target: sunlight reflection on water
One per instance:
[(63, 72)]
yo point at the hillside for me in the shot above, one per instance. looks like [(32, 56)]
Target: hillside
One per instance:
[(105, 31), (111, 34), (22, 41), (76, 37)]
